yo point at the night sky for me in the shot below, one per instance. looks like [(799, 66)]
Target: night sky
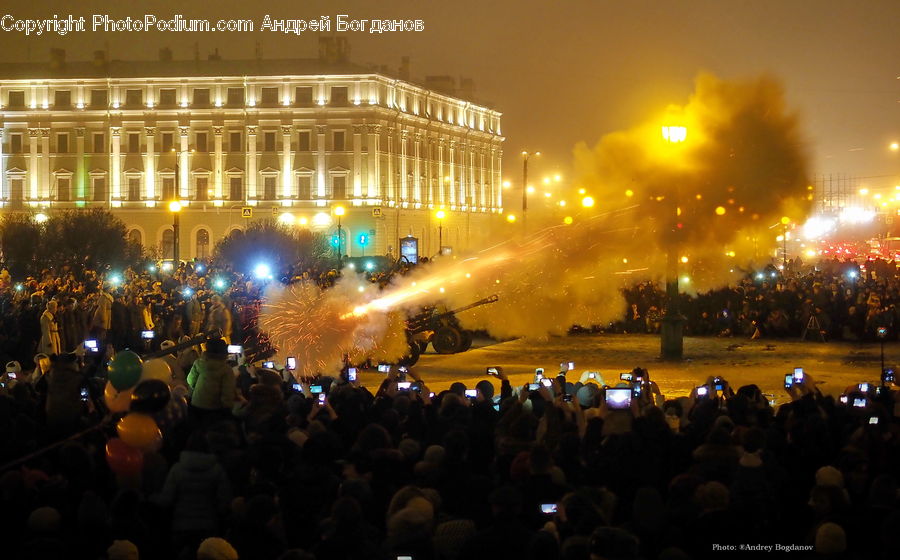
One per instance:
[(571, 71)]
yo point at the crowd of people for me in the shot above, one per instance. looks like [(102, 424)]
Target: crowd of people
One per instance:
[(834, 300), (263, 467)]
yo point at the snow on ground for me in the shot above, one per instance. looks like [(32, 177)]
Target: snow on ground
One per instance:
[(833, 365)]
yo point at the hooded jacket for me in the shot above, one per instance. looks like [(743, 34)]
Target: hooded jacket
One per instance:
[(197, 489), (212, 383)]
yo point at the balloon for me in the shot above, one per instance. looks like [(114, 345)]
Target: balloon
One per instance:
[(117, 401), (122, 458), (125, 370), (157, 369), (150, 395), (139, 430)]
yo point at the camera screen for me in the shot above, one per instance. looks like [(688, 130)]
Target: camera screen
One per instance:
[(843, 399), (492, 371), (84, 393), (873, 420), (351, 374), (533, 386), (788, 380), (546, 382), (798, 371), (269, 365), (548, 508), (384, 368), (146, 334), (403, 386), (887, 376), (11, 374), (571, 366), (296, 387), (315, 389), (235, 349), (497, 407), (864, 387), (471, 393), (859, 402), (702, 391), (91, 345), (321, 398), (291, 363), (618, 398), (626, 377)]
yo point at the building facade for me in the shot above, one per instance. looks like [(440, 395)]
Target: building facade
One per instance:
[(293, 139)]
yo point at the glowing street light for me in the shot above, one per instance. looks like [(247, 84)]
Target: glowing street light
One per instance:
[(587, 202), (440, 215), (175, 209), (339, 212), (895, 146), (41, 218), (672, 328), (511, 218)]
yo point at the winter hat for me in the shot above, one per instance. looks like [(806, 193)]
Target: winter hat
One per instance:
[(829, 476), (435, 454), (586, 394), (13, 367), (486, 388), (166, 344), (217, 347), (831, 539), (215, 548), (122, 550)]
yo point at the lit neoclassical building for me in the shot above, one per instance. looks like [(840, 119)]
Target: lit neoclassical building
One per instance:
[(293, 138)]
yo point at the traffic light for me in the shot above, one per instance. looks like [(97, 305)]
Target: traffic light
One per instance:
[(363, 239)]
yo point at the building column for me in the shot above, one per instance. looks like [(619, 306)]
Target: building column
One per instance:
[(45, 162), (80, 171), (442, 184), (3, 188), (33, 169), (150, 164), (321, 171), (115, 163), (357, 158), (217, 163), (417, 168), (251, 163), (404, 166), (184, 166), (452, 173), (496, 158), (374, 167), (286, 162)]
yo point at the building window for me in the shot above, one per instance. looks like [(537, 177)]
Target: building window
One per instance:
[(202, 244), (200, 142), (98, 186), (134, 142), (15, 143), (202, 188), (235, 97), (134, 188), (269, 96), (16, 99), (304, 143), (304, 187), (62, 143), (168, 244), (234, 141), (63, 189), (168, 188), (134, 236), (99, 142), (134, 97), (339, 187), (269, 183), (167, 97), (16, 191), (303, 96), (339, 96), (268, 141), (236, 188), (62, 98), (338, 140), (201, 97), (168, 141), (99, 98)]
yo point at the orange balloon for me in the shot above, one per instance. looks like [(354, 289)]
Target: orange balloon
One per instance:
[(117, 401), (139, 431)]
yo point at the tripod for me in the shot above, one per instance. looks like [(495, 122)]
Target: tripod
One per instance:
[(813, 325)]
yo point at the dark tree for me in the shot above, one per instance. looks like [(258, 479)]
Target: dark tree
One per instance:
[(91, 238), (20, 238)]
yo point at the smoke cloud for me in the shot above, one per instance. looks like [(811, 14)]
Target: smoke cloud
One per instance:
[(717, 199)]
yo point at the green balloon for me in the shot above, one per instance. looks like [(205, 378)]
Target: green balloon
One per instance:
[(125, 370)]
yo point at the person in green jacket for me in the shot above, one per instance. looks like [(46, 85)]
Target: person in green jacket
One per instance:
[(212, 381)]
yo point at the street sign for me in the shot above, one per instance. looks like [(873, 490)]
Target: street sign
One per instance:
[(376, 212), (246, 211)]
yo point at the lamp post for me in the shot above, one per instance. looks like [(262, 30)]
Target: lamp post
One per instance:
[(784, 224), (175, 208), (525, 157), (339, 211), (440, 215), (672, 324)]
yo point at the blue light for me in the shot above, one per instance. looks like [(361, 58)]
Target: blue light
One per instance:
[(370, 265), (114, 280), (219, 283), (199, 268), (152, 268), (853, 274), (262, 271), (759, 276), (187, 292)]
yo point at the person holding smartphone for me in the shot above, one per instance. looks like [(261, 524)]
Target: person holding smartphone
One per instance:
[(212, 383)]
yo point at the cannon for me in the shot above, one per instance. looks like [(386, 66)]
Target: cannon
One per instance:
[(441, 329)]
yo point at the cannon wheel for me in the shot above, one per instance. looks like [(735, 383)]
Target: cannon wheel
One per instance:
[(411, 357), (423, 345), (466, 341), (447, 340)]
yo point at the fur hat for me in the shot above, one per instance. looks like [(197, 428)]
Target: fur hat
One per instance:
[(215, 548)]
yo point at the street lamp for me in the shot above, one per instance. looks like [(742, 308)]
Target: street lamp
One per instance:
[(175, 209), (672, 324), (440, 215), (525, 157), (784, 224), (339, 211)]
